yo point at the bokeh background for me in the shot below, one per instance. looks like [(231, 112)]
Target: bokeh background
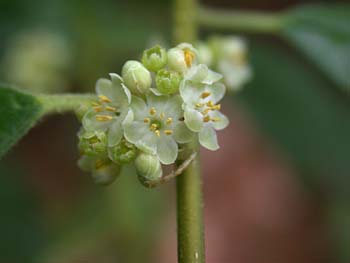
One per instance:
[(277, 191)]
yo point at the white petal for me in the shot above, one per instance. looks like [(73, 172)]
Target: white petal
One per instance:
[(173, 107), (182, 134), (212, 77), (217, 91), (207, 138), (190, 92), (167, 149), (104, 87), (115, 133), (91, 124), (139, 108), (148, 143), (222, 121), (139, 134), (193, 119)]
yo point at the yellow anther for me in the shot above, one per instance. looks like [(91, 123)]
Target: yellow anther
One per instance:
[(99, 163), (103, 117), (215, 119), (154, 127), (205, 94), (110, 108), (205, 112), (95, 104), (168, 132), (98, 108), (216, 107), (157, 132), (199, 105), (206, 118), (210, 104), (104, 98), (169, 121), (189, 57), (152, 111), (146, 120), (161, 116)]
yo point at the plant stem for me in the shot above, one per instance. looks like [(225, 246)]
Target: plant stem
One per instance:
[(247, 21), (190, 227), (63, 102)]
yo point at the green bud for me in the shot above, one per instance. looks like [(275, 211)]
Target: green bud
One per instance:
[(168, 82), (122, 153), (182, 57), (154, 58), (93, 143), (105, 172), (136, 77), (148, 168)]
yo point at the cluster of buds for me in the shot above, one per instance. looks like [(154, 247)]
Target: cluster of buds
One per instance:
[(227, 55), (156, 107)]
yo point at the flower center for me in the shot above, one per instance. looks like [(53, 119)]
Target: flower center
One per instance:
[(206, 107), (189, 57), (102, 106), (158, 123)]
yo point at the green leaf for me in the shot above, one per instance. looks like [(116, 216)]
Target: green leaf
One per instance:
[(322, 33), (18, 113)]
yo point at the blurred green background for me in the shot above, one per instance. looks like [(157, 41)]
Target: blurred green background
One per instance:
[(52, 212)]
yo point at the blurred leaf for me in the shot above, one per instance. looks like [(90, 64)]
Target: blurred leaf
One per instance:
[(301, 112), (18, 113), (322, 33), (22, 234)]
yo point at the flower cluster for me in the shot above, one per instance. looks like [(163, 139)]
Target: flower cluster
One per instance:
[(228, 55), (143, 116)]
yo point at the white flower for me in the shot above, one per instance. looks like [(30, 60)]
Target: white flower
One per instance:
[(156, 125), (108, 114), (201, 90)]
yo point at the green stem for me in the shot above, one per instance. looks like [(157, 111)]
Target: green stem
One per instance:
[(63, 102), (190, 227), (247, 21)]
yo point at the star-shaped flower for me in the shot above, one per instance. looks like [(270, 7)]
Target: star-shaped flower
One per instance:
[(155, 126), (110, 111), (201, 90)]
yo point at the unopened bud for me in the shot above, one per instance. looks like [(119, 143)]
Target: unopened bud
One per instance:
[(154, 58), (105, 172), (168, 82), (148, 168), (122, 153), (93, 143), (182, 57), (136, 77)]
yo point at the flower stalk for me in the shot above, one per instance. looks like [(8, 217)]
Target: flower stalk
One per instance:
[(190, 227)]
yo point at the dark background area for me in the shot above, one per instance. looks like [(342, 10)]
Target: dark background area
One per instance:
[(277, 191)]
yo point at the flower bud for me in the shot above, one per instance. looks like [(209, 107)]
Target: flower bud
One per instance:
[(181, 57), (148, 168), (93, 143), (105, 172), (136, 77), (154, 58), (168, 82), (122, 153)]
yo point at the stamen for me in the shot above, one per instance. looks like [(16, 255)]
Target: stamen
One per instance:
[(153, 127), (206, 118), (216, 107), (205, 94), (168, 132), (110, 108), (199, 105), (215, 119), (161, 116), (98, 108), (210, 104), (103, 117), (205, 112), (104, 98), (146, 120), (152, 111), (94, 103), (189, 56), (157, 132), (169, 120)]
